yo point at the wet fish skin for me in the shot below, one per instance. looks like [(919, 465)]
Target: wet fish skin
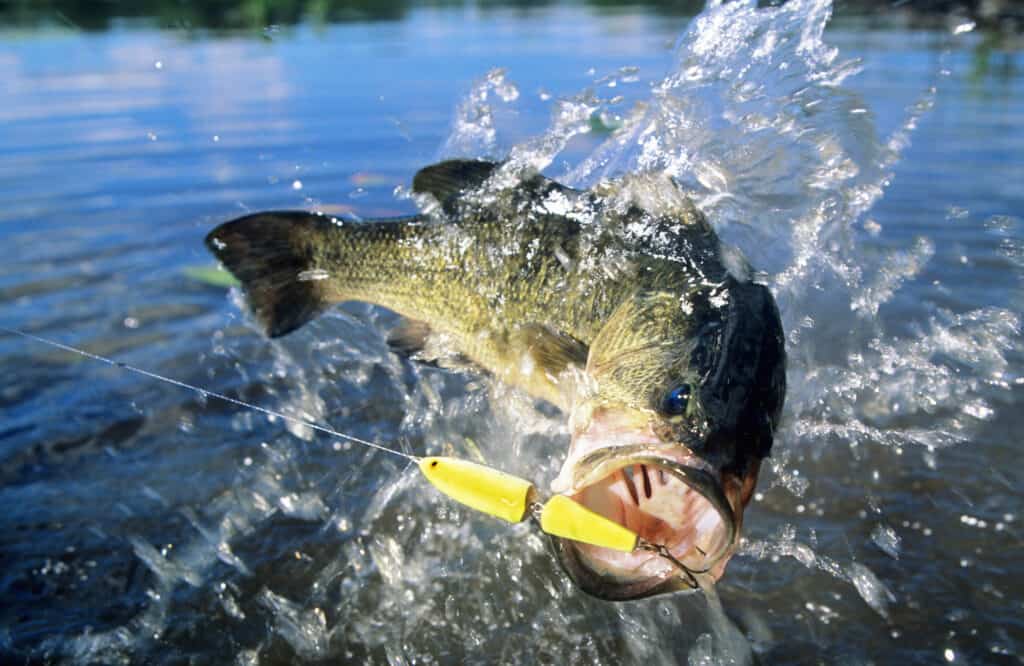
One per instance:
[(491, 287), (585, 299)]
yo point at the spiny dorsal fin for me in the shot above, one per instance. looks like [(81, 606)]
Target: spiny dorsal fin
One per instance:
[(447, 179)]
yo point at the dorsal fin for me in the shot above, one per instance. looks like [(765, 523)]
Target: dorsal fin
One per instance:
[(447, 179)]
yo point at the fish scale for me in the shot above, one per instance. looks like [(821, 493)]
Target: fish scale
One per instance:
[(599, 302)]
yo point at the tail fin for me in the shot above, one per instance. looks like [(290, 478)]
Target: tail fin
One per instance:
[(272, 255)]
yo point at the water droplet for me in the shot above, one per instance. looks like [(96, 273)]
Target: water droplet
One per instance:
[(871, 589), (296, 184), (885, 537), (159, 64)]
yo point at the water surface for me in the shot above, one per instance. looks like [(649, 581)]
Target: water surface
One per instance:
[(872, 173)]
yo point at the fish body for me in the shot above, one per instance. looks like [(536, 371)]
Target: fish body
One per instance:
[(619, 305)]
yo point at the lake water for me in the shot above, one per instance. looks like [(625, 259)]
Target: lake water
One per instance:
[(871, 172)]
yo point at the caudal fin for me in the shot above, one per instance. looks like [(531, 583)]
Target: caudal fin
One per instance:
[(272, 255)]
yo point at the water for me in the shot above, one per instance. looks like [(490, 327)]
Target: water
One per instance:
[(868, 171)]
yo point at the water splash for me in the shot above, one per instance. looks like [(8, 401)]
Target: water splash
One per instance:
[(304, 629), (871, 589), (886, 538), (474, 131), (754, 121)]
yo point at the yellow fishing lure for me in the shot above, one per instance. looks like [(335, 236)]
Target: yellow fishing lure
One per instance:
[(510, 498)]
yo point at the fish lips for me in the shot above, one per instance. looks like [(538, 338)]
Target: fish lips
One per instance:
[(600, 464)]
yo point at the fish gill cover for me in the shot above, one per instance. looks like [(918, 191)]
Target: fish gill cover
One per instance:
[(754, 120)]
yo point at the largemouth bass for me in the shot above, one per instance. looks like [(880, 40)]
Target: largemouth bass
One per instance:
[(619, 305)]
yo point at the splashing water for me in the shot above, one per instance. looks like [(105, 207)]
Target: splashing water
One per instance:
[(755, 120)]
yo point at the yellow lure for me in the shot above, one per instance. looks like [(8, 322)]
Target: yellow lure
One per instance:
[(508, 497), (566, 518), (479, 487)]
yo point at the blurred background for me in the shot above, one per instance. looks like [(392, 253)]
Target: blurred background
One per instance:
[(867, 157)]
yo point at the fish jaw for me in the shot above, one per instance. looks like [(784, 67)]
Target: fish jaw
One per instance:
[(619, 468)]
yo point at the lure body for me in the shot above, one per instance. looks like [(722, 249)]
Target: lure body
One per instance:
[(563, 517), (479, 487), (508, 497)]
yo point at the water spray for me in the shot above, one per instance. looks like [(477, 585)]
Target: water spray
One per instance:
[(479, 487)]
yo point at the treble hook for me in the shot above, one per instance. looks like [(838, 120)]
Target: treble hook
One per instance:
[(663, 551)]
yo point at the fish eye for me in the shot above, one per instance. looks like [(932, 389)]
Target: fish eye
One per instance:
[(675, 401)]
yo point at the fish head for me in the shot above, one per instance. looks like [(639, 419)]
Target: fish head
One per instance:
[(682, 393)]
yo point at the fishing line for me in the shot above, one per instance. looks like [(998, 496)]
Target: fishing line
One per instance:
[(477, 486), (207, 392)]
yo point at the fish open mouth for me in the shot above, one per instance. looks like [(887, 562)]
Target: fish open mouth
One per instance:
[(677, 504)]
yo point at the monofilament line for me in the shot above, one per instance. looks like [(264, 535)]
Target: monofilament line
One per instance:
[(207, 392)]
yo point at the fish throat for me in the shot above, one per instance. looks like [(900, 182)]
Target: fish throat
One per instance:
[(676, 505)]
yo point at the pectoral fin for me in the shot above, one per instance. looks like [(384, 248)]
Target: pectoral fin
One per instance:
[(531, 357), (540, 361), (552, 352)]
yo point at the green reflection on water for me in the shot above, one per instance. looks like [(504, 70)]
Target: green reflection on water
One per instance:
[(258, 14), (260, 17)]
